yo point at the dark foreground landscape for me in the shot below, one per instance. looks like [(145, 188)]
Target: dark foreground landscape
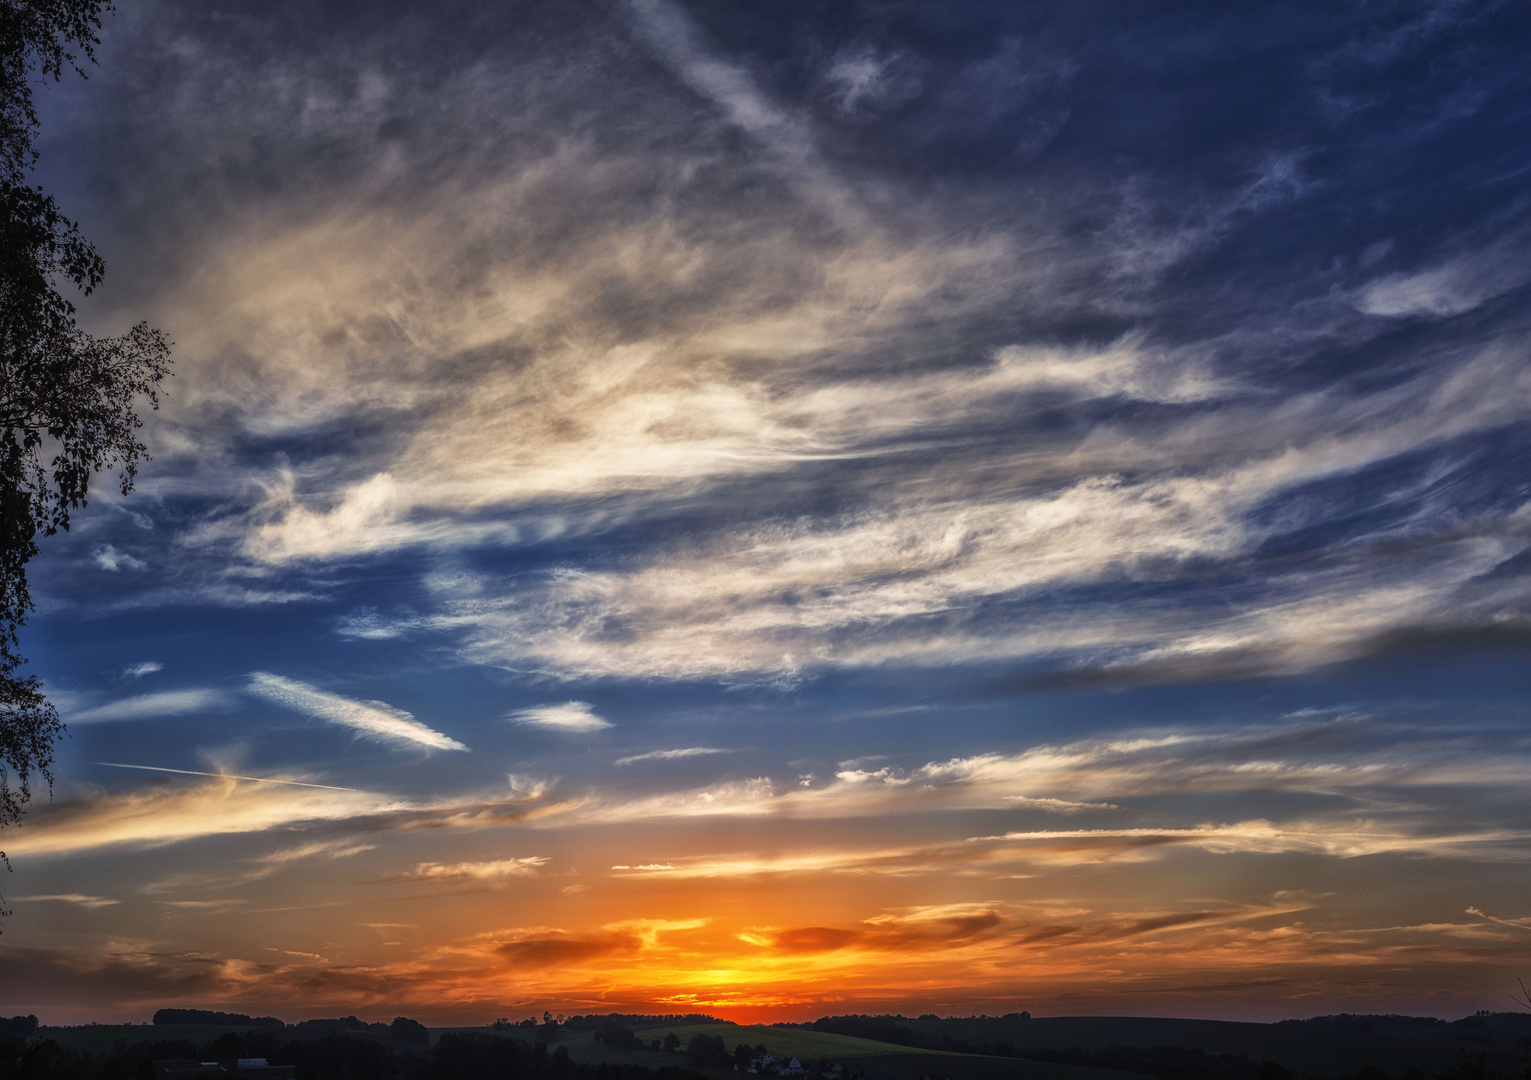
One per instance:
[(1487, 1046)]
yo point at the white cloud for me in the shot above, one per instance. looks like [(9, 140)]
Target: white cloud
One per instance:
[(91, 902), (1449, 289), (1347, 760), (636, 418), (1338, 839), (109, 558), (375, 719), (264, 866), (862, 77), (786, 138), (1058, 806), (526, 786), (671, 755), (903, 581), (570, 716), (478, 871), (1522, 923), (157, 815), (150, 706), (138, 671), (330, 849)]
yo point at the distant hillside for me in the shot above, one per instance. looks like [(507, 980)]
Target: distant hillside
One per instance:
[(866, 1059)]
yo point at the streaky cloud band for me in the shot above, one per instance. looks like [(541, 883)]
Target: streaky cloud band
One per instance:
[(375, 719), (575, 716)]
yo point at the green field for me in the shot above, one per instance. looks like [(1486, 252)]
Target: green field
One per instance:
[(785, 1042), (857, 1055)]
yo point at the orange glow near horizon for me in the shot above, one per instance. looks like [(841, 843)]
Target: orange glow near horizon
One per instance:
[(555, 902)]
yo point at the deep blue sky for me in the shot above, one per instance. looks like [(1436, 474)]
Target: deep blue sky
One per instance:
[(942, 505)]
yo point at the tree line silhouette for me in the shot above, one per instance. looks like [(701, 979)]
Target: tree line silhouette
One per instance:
[(455, 1056)]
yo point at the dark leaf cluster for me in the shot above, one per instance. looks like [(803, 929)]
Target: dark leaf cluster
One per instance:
[(18, 1027), (708, 1052), (618, 1036), (411, 1031)]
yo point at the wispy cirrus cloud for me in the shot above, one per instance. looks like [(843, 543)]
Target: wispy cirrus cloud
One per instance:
[(1389, 790), (154, 817), (151, 817), (671, 755), (571, 716), (329, 849), (491, 870), (149, 706), (374, 719), (1028, 853), (931, 577), (90, 902), (982, 474), (1452, 288), (247, 872), (110, 559), (906, 861)]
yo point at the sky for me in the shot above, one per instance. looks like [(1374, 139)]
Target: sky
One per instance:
[(784, 509)]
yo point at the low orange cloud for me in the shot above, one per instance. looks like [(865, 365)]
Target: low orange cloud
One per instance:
[(881, 933), (556, 950), (814, 939), (938, 930), (958, 956)]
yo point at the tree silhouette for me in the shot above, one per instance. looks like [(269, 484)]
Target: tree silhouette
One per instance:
[(67, 399)]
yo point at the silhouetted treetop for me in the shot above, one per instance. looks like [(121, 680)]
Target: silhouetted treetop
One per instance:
[(208, 1016)]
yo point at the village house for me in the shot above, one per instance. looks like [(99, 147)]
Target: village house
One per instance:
[(766, 1064)]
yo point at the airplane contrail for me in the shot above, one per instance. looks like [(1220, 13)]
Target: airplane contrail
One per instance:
[(223, 776)]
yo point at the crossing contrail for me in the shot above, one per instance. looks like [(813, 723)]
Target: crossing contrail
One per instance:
[(224, 776)]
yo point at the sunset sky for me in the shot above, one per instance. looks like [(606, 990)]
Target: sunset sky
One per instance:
[(785, 508)]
